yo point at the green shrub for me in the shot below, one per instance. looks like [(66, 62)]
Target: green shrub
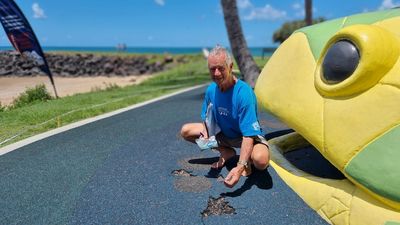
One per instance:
[(2, 108), (31, 95)]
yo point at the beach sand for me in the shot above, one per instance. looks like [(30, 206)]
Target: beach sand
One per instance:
[(11, 87)]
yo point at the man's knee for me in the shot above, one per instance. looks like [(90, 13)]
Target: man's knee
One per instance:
[(185, 131), (260, 156)]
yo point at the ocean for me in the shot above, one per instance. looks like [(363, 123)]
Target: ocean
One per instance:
[(255, 51)]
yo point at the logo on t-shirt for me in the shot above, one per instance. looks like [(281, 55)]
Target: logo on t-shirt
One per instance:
[(256, 125), (223, 111)]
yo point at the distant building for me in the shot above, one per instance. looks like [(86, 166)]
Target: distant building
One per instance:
[(121, 47)]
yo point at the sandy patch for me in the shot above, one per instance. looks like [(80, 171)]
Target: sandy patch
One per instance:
[(11, 87)]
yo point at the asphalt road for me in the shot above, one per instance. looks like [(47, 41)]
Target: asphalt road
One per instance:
[(119, 170)]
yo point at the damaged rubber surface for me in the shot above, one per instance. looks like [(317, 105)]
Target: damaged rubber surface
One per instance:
[(187, 182), (218, 206), (194, 184), (181, 173)]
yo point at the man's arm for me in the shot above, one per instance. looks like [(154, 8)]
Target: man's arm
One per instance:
[(245, 153), (246, 149)]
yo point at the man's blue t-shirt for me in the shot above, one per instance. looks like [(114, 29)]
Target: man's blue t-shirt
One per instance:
[(235, 110)]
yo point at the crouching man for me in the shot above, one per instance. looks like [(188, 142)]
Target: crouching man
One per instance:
[(233, 105)]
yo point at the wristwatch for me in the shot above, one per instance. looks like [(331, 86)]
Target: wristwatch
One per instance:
[(243, 163)]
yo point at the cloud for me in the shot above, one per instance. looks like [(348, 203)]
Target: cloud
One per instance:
[(299, 10), (244, 4), (297, 6), (160, 2), (388, 4), (265, 13), (38, 13)]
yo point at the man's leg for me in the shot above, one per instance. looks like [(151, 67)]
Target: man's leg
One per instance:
[(260, 156), (226, 149), (192, 131), (225, 154)]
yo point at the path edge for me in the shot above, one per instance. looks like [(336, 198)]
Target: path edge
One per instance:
[(30, 140)]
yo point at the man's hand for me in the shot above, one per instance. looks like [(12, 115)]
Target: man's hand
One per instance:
[(233, 177)]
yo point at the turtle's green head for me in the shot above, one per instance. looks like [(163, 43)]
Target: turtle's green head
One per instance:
[(338, 85)]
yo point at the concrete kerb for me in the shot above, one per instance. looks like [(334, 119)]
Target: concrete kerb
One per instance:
[(44, 135)]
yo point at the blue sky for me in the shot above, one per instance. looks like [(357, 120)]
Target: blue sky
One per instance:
[(170, 23)]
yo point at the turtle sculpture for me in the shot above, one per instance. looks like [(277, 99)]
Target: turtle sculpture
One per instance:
[(337, 84)]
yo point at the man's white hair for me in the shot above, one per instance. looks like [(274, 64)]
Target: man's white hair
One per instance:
[(218, 50)]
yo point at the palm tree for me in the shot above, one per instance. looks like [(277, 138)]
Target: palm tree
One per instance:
[(247, 66), (308, 9)]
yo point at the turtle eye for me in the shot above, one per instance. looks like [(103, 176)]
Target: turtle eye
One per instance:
[(355, 59), (340, 62)]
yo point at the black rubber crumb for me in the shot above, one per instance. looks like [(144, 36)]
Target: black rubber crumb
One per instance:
[(182, 173), (217, 206)]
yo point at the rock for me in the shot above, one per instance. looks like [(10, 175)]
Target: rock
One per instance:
[(108, 68), (86, 64), (168, 59)]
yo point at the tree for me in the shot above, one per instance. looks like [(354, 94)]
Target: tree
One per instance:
[(247, 66), (308, 10), (288, 28)]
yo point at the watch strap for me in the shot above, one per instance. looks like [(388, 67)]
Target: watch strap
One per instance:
[(243, 163)]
